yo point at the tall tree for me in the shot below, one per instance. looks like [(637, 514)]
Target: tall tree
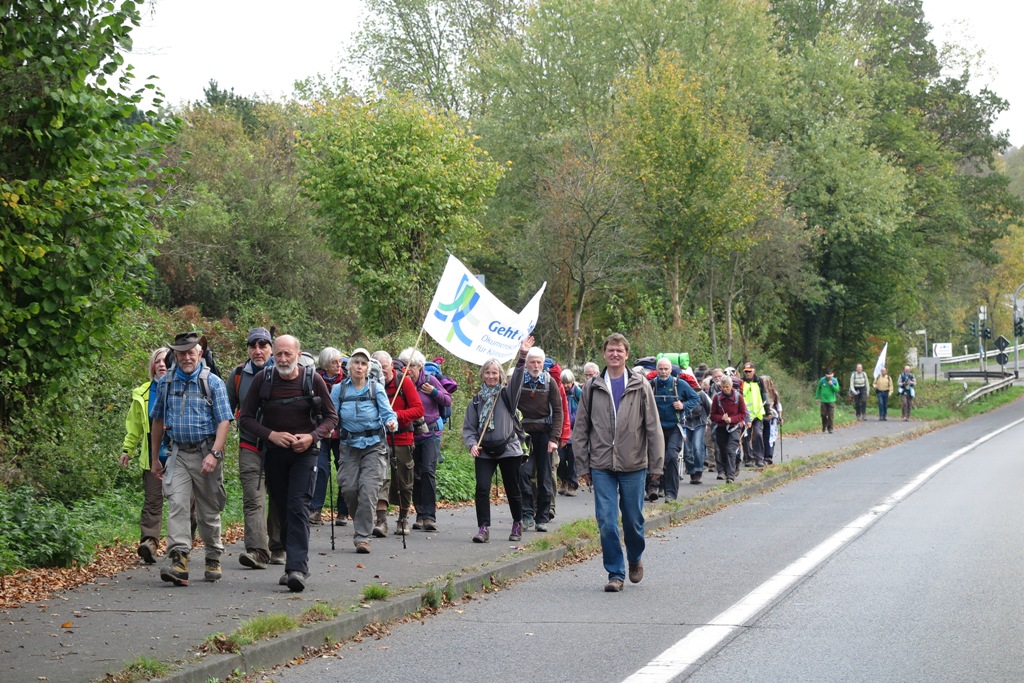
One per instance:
[(77, 183), (399, 185), (700, 179)]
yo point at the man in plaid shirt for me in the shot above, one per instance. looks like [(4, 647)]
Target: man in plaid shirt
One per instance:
[(193, 414)]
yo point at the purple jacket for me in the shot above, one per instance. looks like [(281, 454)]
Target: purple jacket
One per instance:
[(431, 401)]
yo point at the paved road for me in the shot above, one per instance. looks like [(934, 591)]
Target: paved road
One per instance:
[(924, 594)]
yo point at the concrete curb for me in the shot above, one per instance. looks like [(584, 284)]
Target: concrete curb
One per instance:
[(294, 644)]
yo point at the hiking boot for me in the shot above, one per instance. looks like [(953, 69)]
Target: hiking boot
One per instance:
[(482, 536), (541, 527), (517, 532), (429, 525), (402, 527), (696, 477), (252, 560), (418, 524), (316, 516), (720, 476), (340, 521), (527, 522), (570, 490), (176, 570), (296, 581), (562, 488), (636, 572), (283, 581), (213, 572), (363, 547), (729, 480), (613, 586), (277, 557), (380, 526), (147, 551)]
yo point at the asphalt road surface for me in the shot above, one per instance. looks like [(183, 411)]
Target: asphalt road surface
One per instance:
[(904, 565)]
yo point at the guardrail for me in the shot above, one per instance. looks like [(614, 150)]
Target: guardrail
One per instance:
[(991, 353), (987, 389), (976, 374)]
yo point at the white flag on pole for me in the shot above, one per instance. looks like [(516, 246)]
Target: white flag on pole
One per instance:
[(881, 360), (472, 323)]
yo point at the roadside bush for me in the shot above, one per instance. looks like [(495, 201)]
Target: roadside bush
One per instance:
[(456, 477), (38, 532)]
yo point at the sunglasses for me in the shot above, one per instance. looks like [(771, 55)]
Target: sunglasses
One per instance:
[(260, 343)]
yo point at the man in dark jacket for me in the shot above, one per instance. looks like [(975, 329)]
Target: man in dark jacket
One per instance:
[(673, 396), (290, 420), (541, 406)]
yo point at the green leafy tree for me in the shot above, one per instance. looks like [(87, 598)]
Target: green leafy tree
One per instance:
[(701, 181), (399, 185), (77, 183)]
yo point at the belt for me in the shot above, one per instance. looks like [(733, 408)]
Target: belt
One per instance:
[(192, 446)]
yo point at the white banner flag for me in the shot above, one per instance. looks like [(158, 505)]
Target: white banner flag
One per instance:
[(881, 360), (472, 323)]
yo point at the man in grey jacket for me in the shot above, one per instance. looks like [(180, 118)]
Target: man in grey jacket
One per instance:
[(618, 442)]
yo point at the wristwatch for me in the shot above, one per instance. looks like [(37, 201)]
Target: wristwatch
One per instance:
[(217, 454)]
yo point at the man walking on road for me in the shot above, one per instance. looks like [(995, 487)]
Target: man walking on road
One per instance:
[(883, 390), (289, 409), (262, 531), (908, 390), (827, 391), (541, 405), (672, 396), (618, 441), (859, 391), (192, 413), (729, 415)]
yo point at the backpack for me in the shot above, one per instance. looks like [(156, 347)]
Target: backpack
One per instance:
[(203, 380), (308, 394), (370, 397), (517, 425), (449, 385)]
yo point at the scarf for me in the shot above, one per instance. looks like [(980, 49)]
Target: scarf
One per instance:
[(486, 415)]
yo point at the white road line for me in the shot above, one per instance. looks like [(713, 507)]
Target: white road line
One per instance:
[(699, 642)]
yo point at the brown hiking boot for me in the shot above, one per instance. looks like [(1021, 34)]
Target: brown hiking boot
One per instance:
[(176, 571), (212, 572), (277, 557), (636, 571), (316, 516), (380, 527), (613, 586), (147, 551), (402, 527), (363, 547), (253, 560)]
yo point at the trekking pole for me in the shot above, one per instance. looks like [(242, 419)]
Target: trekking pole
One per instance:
[(405, 371), (330, 492), (782, 456)]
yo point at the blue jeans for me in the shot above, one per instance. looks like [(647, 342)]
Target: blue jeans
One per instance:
[(695, 451), (673, 444), (883, 404), (616, 492)]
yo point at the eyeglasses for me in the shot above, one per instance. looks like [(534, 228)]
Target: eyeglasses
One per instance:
[(262, 343)]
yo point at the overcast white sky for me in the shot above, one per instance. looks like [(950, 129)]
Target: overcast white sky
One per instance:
[(263, 46)]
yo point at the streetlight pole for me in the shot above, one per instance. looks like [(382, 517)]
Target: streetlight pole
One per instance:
[(1016, 341)]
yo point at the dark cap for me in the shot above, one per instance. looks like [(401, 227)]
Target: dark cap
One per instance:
[(258, 334), (829, 371), (185, 341)]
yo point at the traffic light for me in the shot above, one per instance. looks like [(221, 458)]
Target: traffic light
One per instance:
[(974, 328), (1018, 327), (986, 333)]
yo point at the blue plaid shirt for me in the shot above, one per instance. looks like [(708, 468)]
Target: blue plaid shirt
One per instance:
[(188, 418)]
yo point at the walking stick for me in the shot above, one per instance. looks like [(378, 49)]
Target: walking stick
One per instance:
[(330, 493)]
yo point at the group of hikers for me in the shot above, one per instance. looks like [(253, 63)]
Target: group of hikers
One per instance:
[(827, 392), (379, 419)]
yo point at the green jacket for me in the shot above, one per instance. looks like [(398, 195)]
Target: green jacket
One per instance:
[(137, 425), (827, 391)]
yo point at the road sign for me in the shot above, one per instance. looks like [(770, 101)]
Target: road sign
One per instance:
[(1002, 359), (942, 350), (1002, 342)]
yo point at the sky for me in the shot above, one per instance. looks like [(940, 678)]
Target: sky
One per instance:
[(261, 47)]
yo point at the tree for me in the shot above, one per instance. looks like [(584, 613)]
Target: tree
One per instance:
[(77, 183), (700, 179), (399, 185)]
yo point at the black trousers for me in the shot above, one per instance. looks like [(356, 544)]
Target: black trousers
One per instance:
[(291, 478), (485, 468)]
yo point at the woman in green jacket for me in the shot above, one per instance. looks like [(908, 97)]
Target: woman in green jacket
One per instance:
[(137, 426)]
